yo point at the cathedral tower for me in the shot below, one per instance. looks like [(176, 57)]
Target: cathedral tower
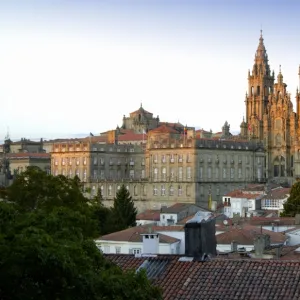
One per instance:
[(270, 119), (260, 86)]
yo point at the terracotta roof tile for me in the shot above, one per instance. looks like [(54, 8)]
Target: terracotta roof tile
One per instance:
[(28, 155), (133, 234), (164, 129), (243, 194), (222, 278), (245, 235), (279, 193), (150, 214)]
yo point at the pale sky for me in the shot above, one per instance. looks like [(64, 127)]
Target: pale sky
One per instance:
[(71, 67)]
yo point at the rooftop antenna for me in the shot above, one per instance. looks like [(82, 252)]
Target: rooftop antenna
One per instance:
[(299, 76), (7, 137)]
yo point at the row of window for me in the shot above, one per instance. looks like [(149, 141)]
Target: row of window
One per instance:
[(171, 158), (119, 174), (172, 173), (117, 249), (70, 173), (85, 148), (172, 191), (161, 190), (226, 173), (69, 161), (271, 203), (71, 148)]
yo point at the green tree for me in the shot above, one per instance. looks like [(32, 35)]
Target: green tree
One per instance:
[(123, 210), (292, 206), (46, 246)]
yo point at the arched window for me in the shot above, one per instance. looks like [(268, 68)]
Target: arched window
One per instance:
[(252, 90)]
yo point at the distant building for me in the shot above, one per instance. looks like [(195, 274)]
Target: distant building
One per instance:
[(168, 164)]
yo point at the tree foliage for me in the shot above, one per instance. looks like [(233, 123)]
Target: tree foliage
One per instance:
[(123, 210), (292, 205), (46, 246)]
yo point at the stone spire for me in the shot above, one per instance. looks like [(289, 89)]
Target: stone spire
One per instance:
[(261, 66)]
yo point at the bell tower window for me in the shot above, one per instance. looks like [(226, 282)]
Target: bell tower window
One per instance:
[(258, 90)]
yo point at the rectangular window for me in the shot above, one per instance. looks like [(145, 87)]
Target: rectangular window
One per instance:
[(118, 249), (224, 172), (240, 173), (180, 173), (179, 190), (155, 158), (163, 190), (106, 249), (95, 174), (217, 173), (95, 161), (155, 173), (135, 251), (172, 158), (163, 158), (102, 174), (155, 190), (209, 172), (164, 174), (131, 174), (188, 172), (201, 172), (143, 174), (231, 173), (180, 158), (172, 173), (188, 158)]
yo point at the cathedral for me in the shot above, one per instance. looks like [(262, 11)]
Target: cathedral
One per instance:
[(270, 118)]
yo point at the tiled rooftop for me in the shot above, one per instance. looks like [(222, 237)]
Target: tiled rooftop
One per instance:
[(230, 279), (133, 234), (28, 155), (278, 193), (243, 194), (150, 214), (244, 235)]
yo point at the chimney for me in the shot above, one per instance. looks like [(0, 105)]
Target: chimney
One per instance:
[(259, 246), (200, 236), (234, 246), (150, 243), (261, 242)]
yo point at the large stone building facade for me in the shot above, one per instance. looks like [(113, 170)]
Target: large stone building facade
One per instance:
[(270, 119), (170, 164)]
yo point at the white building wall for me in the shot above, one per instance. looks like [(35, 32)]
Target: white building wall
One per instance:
[(126, 246), (227, 247), (177, 235), (164, 218)]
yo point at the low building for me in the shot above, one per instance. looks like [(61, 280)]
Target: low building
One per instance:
[(175, 213), (275, 199), (241, 203), (149, 216), (140, 240), (18, 162)]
